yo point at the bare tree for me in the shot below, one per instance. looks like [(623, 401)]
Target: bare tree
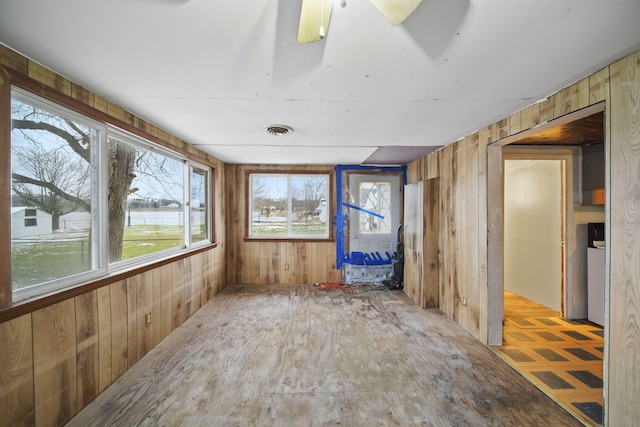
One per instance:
[(61, 171), (309, 192), (52, 180)]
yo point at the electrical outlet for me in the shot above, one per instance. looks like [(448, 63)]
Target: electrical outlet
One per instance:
[(147, 319), (464, 301), (286, 266)]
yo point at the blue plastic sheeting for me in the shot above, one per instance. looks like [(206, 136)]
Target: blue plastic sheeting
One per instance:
[(362, 258), (340, 220)]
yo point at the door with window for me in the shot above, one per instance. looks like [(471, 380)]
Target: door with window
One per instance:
[(374, 217)]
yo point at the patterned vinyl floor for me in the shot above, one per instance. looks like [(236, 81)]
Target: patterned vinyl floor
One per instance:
[(562, 357)]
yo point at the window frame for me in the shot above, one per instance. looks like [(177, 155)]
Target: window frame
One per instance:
[(98, 231), (52, 101), (289, 173)]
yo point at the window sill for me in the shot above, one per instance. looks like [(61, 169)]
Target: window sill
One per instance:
[(289, 239)]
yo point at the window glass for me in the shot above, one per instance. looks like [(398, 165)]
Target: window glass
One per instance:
[(308, 211), (375, 197), (146, 197), (52, 202), (199, 200), (87, 198), (289, 206)]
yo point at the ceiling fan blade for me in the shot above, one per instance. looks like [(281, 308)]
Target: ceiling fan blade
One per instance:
[(396, 11), (315, 14)]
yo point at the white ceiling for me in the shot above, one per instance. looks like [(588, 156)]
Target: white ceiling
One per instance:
[(215, 73)]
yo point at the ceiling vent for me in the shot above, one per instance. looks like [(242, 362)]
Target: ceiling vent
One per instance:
[(278, 130)]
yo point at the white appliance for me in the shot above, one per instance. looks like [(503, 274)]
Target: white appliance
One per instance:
[(595, 285)]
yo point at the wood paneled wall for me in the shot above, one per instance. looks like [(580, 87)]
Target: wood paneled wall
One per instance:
[(59, 356), (57, 359), (622, 342), (462, 168), (253, 262)]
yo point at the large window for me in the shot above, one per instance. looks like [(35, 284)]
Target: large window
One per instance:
[(285, 206), (88, 199), (54, 197)]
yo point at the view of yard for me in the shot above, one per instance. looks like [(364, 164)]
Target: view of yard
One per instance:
[(67, 253), (278, 225)]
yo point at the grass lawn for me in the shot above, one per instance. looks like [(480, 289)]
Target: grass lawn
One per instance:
[(311, 227), (48, 259)]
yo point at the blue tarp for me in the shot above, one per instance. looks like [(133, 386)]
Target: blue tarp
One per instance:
[(362, 258)]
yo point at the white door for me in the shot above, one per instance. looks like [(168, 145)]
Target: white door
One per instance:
[(374, 215)]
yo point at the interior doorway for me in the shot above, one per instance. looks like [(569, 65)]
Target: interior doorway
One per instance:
[(560, 351), (534, 230)]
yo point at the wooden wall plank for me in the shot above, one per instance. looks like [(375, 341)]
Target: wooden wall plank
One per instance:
[(433, 170), (485, 137), (47, 77), (599, 86), (447, 230), (495, 292), (503, 128), (530, 116), (54, 362), (300, 262), (132, 321), (104, 338), (572, 98), (461, 282), (119, 329), (88, 350), (515, 123), (188, 287), (17, 401), (472, 243), (13, 60), (144, 307), (430, 245), (161, 279), (413, 232), (546, 110), (622, 318), (177, 296)]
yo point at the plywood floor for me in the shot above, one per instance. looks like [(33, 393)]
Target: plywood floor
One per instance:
[(299, 356), (562, 357)]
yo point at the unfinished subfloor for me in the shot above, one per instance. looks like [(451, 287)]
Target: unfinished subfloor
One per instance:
[(284, 355)]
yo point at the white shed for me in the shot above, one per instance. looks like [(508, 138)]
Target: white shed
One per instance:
[(29, 221)]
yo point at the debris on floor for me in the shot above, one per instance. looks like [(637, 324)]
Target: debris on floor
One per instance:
[(334, 285)]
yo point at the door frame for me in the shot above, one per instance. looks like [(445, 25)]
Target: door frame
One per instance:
[(566, 160), (341, 217), (495, 215)]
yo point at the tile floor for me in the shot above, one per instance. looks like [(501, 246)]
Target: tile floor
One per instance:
[(562, 357)]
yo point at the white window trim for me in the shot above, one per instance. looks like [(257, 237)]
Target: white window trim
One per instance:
[(289, 235), (101, 268)]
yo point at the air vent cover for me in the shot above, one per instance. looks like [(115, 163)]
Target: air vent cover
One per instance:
[(278, 130)]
